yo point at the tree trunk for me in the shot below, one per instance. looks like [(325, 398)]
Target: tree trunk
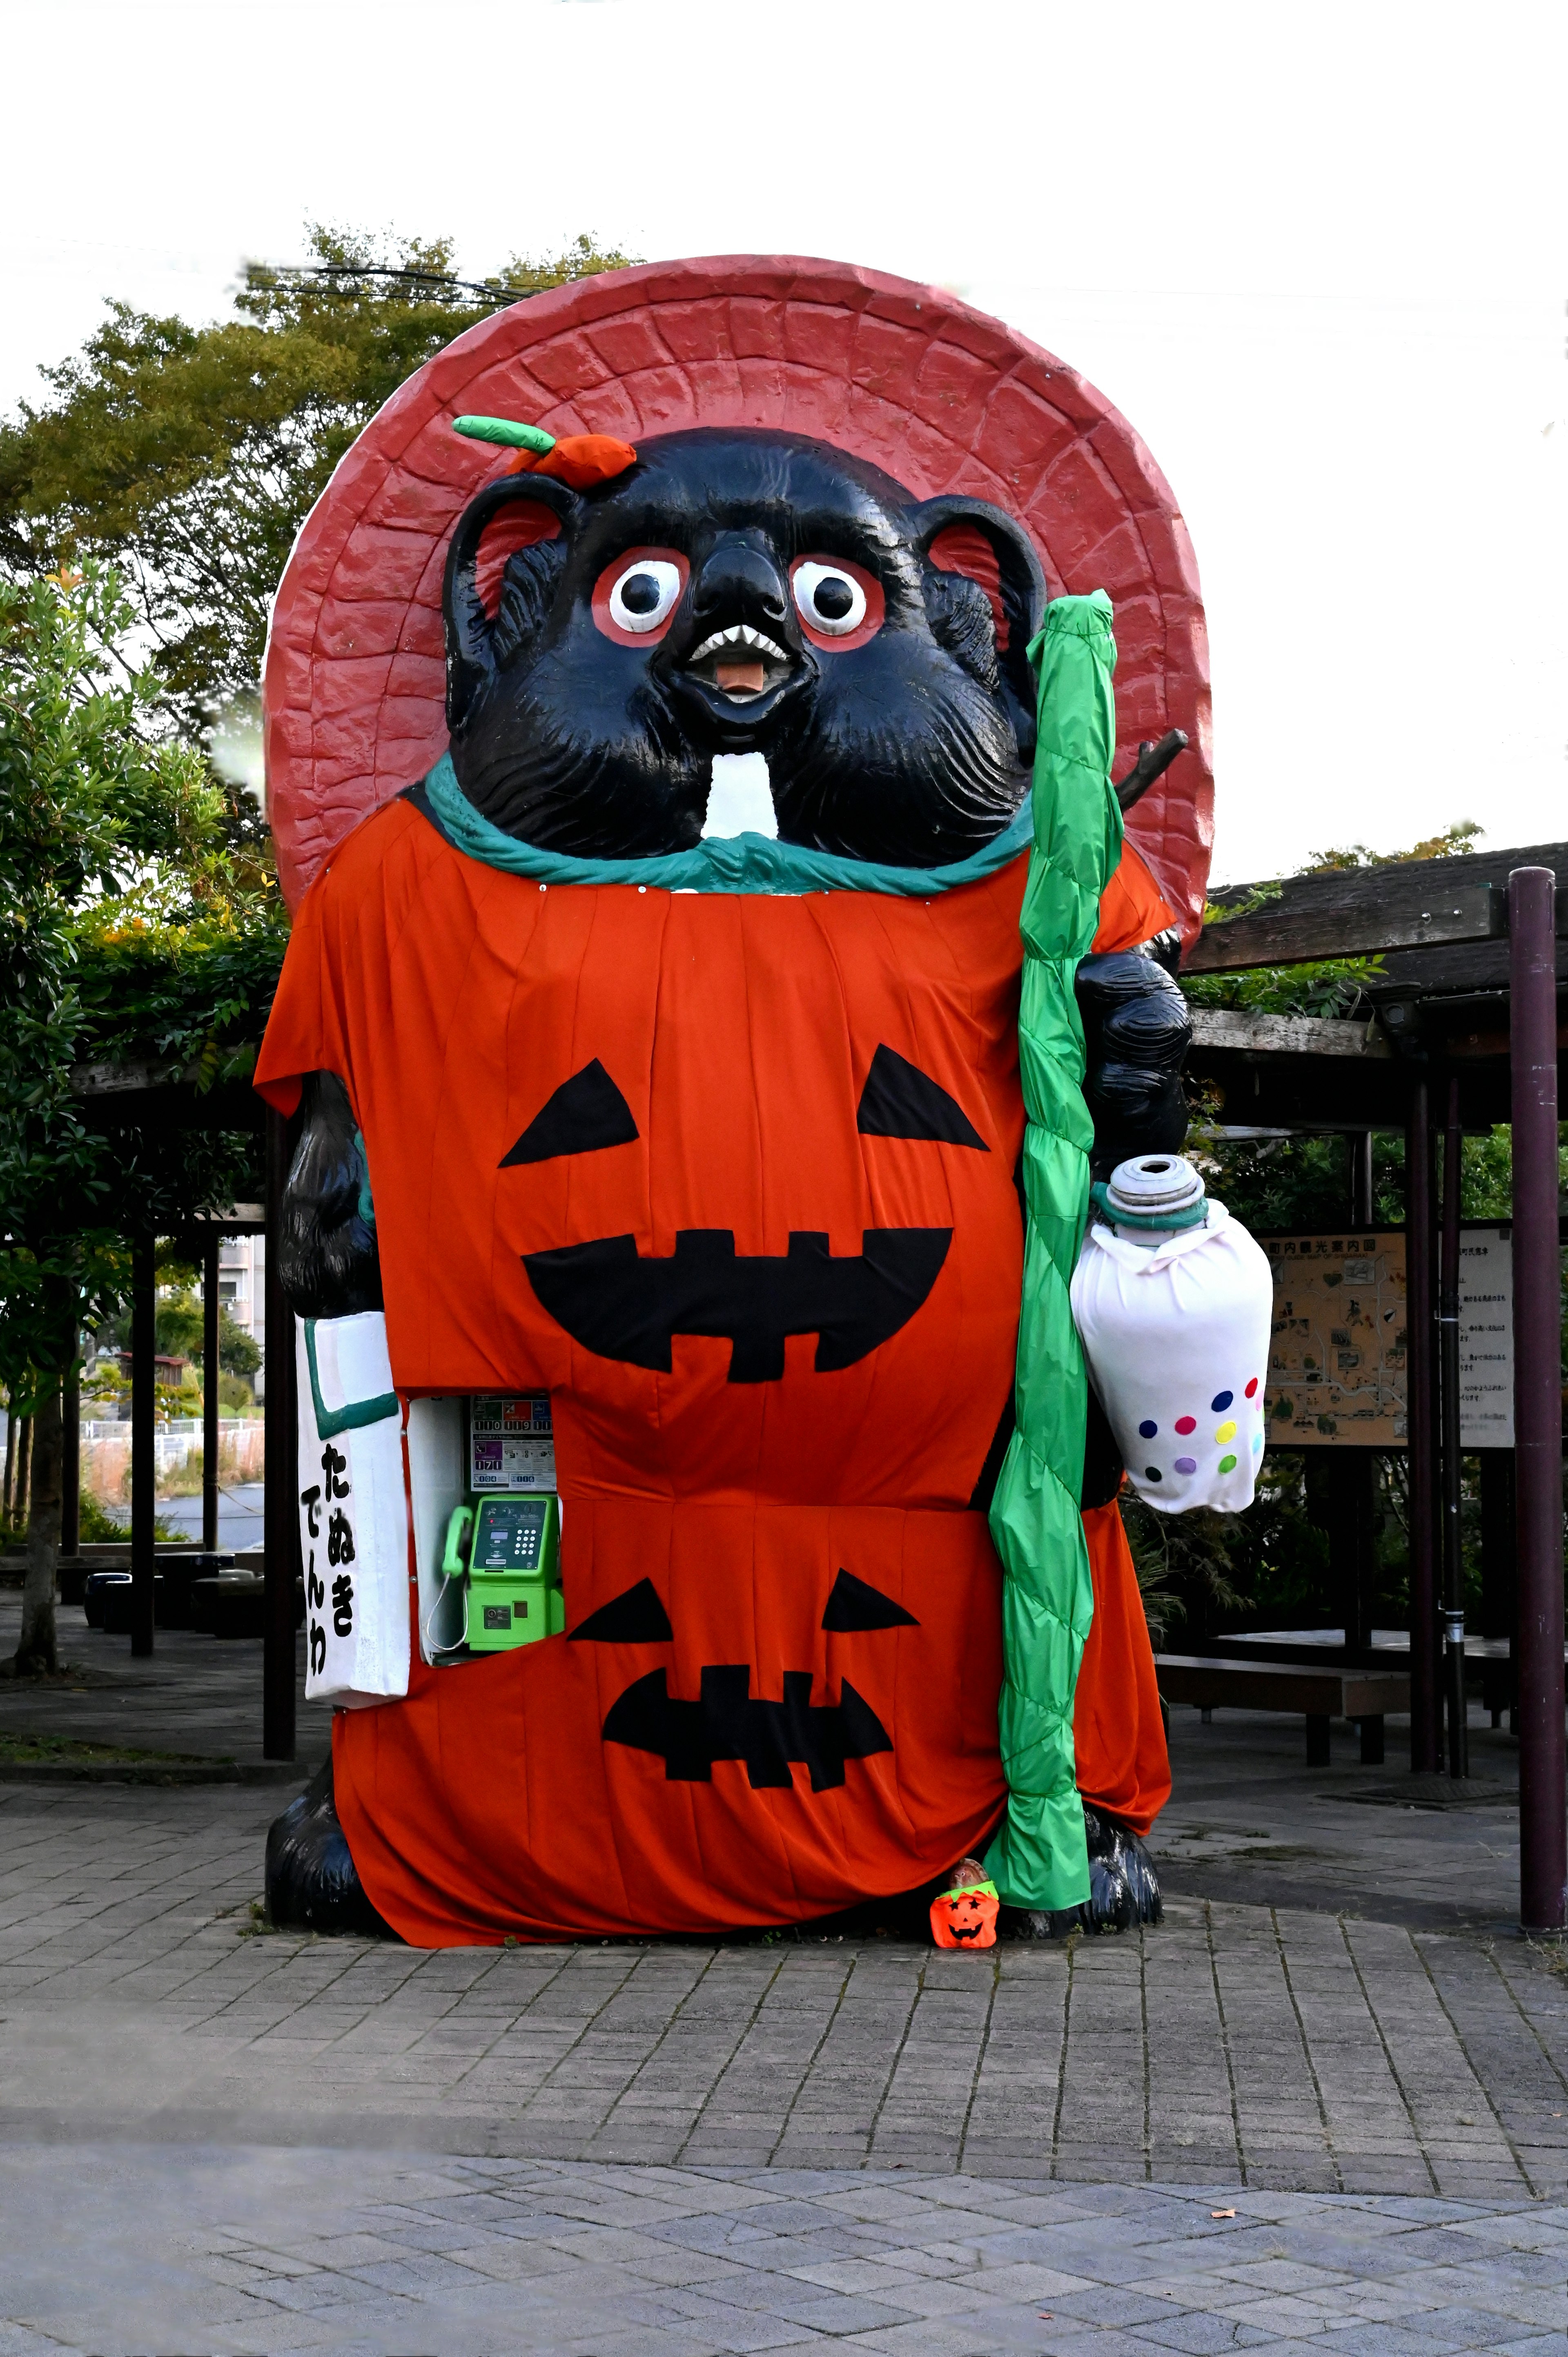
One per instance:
[(36, 1651), (10, 1467)]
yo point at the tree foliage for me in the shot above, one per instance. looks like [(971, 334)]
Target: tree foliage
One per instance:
[(101, 834), (1454, 843), (179, 1332), (188, 457), (106, 838)]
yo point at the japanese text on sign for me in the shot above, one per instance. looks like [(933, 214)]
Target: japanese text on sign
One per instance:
[(324, 1496)]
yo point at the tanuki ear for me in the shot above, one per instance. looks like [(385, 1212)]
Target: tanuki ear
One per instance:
[(970, 536), (470, 650)]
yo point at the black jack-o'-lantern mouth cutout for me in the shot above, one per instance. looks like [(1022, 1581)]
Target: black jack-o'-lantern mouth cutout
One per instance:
[(622, 1305), (727, 1722), (629, 1306)]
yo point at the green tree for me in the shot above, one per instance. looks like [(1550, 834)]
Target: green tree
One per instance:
[(103, 834), (188, 457), (179, 1332)]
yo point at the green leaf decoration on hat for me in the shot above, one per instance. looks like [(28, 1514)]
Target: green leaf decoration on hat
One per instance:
[(508, 430)]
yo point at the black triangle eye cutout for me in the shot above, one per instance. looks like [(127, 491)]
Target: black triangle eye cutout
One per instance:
[(586, 1113), (638, 1618), (854, 1605), (900, 1101)]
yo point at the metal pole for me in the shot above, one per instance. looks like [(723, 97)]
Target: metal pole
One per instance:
[(282, 1501), (1538, 1400), (1361, 1145), (210, 1396), (70, 1466), (1423, 1710), (1498, 1602), (1458, 1744), (143, 1444)]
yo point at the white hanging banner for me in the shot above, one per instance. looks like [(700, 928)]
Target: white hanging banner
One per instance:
[(353, 1511)]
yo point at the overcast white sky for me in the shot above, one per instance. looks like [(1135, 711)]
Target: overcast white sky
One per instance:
[(1316, 254)]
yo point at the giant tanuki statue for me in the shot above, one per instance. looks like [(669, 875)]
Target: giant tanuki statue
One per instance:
[(766, 1154)]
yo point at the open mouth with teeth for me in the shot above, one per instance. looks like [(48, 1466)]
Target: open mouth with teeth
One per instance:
[(741, 663)]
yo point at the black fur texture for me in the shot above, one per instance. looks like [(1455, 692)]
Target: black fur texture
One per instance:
[(312, 1883), (1136, 1032), (1123, 1888), (914, 748), (328, 1260)]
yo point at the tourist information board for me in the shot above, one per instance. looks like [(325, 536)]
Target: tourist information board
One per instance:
[(1337, 1355)]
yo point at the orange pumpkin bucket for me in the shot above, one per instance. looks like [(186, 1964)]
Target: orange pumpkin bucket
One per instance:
[(965, 1916)]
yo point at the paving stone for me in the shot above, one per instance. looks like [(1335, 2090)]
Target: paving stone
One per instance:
[(712, 2145)]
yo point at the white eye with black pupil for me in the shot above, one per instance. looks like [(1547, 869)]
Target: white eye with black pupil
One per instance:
[(644, 594), (832, 602)]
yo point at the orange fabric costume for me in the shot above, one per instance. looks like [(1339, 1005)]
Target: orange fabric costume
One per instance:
[(555, 1790)]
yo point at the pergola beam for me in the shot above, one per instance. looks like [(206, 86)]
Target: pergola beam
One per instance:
[(1340, 912)]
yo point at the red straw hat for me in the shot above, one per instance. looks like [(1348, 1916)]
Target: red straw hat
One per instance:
[(942, 397)]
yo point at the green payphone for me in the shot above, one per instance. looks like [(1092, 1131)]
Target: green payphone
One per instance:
[(501, 1559), (509, 1549)]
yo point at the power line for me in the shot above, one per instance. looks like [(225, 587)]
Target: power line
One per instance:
[(387, 269)]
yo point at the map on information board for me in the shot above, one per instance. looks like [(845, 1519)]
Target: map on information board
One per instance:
[(1336, 1358), (1337, 1355)]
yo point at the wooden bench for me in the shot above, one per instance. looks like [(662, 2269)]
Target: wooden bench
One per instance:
[(1319, 1695)]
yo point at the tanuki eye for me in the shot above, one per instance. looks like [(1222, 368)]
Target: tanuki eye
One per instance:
[(830, 599), (644, 594)]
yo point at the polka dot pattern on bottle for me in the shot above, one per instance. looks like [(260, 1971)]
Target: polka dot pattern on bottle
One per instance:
[(1227, 1431), (1147, 1429), (1185, 1423), (1186, 1465), (1252, 1390), (1221, 1402), (1227, 1465), (1153, 1473)]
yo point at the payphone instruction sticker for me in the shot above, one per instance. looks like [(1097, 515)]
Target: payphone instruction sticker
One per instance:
[(511, 1443)]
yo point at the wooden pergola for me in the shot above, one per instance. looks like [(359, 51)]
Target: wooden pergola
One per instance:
[(1468, 1030), (144, 1096)]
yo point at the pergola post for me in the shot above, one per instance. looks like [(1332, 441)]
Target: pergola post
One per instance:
[(144, 1443), (210, 1394), (1420, 1400), (1457, 1745), (1358, 1146), (1353, 1482), (1538, 1399), (282, 1478)]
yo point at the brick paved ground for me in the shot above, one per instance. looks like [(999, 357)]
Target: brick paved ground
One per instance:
[(216, 2138), (233, 2249), (196, 1694), (1268, 2048)]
